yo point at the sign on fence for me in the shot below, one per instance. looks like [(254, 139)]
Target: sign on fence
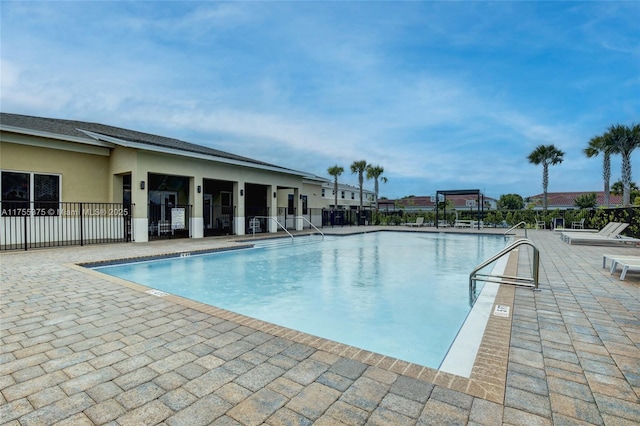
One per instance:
[(177, 218)]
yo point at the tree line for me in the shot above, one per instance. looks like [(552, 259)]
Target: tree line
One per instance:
[(362, 169), (618, 139)]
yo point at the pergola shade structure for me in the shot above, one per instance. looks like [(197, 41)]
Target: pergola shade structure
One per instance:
[(477, 192)]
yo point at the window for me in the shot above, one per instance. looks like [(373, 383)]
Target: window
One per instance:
[(46, 192), (15, 190), (304, 204), (20, 189), (290, 204)]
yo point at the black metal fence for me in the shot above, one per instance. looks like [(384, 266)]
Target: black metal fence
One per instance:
[(25, 225), (169, 221), (346, 218)]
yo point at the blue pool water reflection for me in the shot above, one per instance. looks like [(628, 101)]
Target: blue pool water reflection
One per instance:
[(400, 294)]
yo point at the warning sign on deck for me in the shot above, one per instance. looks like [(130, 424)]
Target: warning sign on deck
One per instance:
[(501, 311)]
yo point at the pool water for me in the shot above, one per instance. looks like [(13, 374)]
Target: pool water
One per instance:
[(401, 294)]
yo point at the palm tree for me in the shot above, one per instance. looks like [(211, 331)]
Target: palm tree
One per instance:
[(623, 140), (335, 171), (359, 167), (597, 145), (375, 172), (545, 155)]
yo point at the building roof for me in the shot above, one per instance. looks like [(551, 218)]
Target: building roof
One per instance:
[(567, 199), (83, 130)]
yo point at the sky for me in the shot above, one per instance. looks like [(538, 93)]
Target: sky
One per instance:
[(442, 95)]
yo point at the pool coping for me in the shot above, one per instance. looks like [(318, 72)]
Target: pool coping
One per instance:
[(488, 375)]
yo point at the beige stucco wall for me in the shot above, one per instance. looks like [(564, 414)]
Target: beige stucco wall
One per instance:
[(85, 177)]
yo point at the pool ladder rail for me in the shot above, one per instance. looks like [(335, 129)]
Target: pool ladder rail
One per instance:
[(531, 282), (253, 228), (514, 227)]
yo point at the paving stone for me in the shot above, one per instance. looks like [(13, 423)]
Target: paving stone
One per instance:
[(209, 361), (298, 351), (528, 401), (254, 357), (401, 405), (46, 396), (570, 388), (170, 380), (439, 413), (528, 383), (27, 373), (225, 421), (283, 362), (139, 395), (24, 389), (411, 388), (105, 411), (313, 400), (259, 376), (15, 410), (172, 362), (233, 393), (452, 397), (346, 413), (285, 387), (79, 419), (135, 378), (380, 375), (365, 393), (177, 399), (575, 408), (59, 410), (191, 370), (485, 412), (152, 413), (617, 407), (383, 417), (104, 391), (132, 363), (234, 350), (258, 407), (209, 382), (334, 381), (306, 371), (348, 368), (287, 417), (237, 366)]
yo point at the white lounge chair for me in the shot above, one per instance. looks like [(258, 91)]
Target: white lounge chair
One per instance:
[(608, 229), (629, 262), (613, 238), (419, 222), (613, 257)]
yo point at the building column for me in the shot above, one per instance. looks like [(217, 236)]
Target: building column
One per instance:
[(238, 196), (297, 202), (272, 205), (195, 199), (140, 201)]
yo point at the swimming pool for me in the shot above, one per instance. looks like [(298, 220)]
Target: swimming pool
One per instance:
[(401, 294)]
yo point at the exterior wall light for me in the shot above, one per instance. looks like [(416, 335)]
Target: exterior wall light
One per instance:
[(241, 192), (275, 194), (199, 189), (141, 184)]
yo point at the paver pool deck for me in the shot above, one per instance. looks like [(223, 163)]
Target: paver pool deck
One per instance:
[(81, 348)]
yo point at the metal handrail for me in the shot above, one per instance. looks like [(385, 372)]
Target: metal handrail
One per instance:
[(514, 227), (277, 223), (309, 222), (505, 279)]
